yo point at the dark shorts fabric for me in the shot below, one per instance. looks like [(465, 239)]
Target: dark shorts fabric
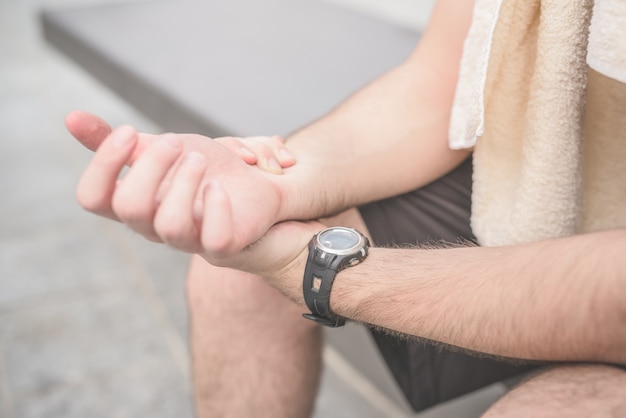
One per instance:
[(440, 211)]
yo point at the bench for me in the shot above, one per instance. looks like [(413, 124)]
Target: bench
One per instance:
[(237, 67)]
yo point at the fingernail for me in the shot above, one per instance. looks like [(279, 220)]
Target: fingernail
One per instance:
[(285, 155), (123, 136), (195, 158), (246, 151), (273, 164)]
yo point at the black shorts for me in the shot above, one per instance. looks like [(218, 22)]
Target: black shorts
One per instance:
[(440, 211)]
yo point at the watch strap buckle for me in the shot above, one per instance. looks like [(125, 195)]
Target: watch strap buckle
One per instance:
[(328, 322)]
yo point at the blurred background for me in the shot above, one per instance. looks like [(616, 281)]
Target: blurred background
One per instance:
[(93, 320)]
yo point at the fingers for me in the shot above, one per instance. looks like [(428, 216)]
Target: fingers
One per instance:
[(217, 224), (271, 153), (268, 153), (134, 201), (178, 217), (184, 219), (98, 184), (236, 146)]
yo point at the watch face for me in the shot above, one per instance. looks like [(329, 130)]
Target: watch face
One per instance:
[(340, 240)]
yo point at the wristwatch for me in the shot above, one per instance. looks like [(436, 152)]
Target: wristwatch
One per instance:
[(330, 251)]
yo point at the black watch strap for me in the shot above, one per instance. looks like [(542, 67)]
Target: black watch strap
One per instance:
[(317, 284)]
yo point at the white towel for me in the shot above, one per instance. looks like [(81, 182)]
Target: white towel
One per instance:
[(522, 90), (607, 39), (467, 119)]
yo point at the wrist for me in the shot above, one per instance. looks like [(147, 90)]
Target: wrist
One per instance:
[(305, 192), (289, 195), (289, 278), (288, 242), (331, 251)]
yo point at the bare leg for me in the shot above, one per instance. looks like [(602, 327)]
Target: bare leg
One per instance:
[(567, 391), (253, 353)]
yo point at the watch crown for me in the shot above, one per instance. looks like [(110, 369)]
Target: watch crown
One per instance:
[(354, 262)]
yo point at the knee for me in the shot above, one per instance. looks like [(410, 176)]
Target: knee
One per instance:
[(216, 291), (573, 390)]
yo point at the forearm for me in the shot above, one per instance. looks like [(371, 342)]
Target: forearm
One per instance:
[(388, 138), (554, 300)]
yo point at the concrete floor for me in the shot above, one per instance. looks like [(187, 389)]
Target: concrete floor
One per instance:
[(93, 320)]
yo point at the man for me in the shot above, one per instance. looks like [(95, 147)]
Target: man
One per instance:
[(254, 353)]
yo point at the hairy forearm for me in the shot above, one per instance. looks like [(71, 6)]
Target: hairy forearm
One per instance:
[(557, 300)]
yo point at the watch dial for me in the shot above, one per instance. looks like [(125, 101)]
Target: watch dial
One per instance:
[(339, 239)]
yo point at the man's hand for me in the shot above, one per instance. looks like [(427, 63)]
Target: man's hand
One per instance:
[(205, 201), (146, 198)]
